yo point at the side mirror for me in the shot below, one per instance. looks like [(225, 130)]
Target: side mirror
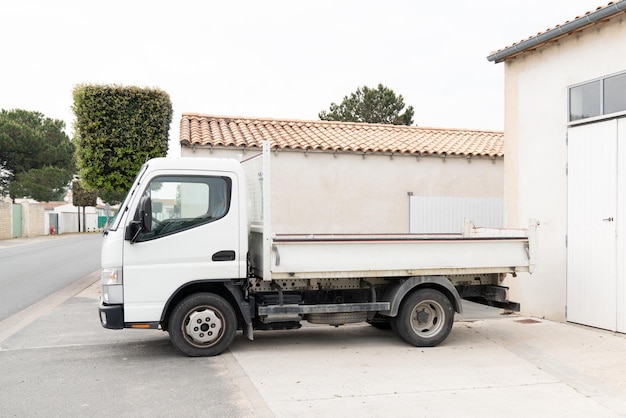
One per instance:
[(142, 222), (145, 214)]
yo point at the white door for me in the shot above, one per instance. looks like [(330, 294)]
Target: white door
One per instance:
[(592, 220)]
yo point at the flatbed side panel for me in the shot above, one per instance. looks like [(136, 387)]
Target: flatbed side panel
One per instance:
[(405, 258)]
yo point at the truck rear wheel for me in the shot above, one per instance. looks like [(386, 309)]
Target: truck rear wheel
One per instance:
[(425, 318), (203, 324)]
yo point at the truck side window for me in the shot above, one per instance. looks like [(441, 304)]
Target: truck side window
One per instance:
[(180, 203)]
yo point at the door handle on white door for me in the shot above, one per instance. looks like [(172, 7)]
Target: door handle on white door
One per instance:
[(608, 219)]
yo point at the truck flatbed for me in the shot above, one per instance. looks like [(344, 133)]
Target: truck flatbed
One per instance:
[(308, 256)]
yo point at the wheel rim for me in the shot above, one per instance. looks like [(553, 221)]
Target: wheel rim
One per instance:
[(427, 318), (203, 327)]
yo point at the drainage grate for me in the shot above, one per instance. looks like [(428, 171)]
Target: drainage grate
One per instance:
[(528, 321)]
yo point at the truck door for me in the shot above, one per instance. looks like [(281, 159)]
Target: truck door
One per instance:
[(193, 236)]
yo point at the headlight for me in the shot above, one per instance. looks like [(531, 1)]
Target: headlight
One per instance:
[(111, 276), (111, 284)]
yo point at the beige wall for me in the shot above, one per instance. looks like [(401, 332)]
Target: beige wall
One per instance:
[(536, 94), (33, 220), (5, 220), (346, 193)]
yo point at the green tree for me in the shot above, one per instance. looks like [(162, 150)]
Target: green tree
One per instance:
[(380, 105), (29, 140), (42, 184), (116, 130)]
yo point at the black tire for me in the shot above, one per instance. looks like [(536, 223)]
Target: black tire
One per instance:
[(202, 325), (425, 318)]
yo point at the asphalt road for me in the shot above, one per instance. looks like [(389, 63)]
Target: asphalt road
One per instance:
[(32, 269)]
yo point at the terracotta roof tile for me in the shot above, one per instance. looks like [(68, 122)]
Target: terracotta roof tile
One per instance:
[(225, 131)]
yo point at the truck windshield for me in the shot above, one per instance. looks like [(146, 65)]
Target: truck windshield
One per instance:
[(115, 222)]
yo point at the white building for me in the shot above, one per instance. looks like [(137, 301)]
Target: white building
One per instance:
[(65, 219), (565, 147)]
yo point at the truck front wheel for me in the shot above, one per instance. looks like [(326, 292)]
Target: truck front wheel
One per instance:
[(425, 318), (203, 324)]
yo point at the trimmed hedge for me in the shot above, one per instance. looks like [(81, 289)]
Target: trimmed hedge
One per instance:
[(116, 130)]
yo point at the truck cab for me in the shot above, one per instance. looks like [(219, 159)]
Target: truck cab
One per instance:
[(181, 227)]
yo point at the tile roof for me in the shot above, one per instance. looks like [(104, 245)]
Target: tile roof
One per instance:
[(225, 131), (593, 17)]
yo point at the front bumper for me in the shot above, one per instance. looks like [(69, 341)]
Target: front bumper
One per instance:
[(111, 316)]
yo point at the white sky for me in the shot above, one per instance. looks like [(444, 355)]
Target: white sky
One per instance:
[(278, 59)]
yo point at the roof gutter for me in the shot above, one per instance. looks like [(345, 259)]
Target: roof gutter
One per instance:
[(559, 31)]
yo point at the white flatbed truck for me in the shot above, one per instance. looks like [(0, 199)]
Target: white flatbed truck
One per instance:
[(192, 252)]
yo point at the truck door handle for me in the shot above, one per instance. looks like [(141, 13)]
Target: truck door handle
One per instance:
[(608, 219), (223, 256)]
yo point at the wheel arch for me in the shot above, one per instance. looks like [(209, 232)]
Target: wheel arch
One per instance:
[(226, 289), (397, 291)]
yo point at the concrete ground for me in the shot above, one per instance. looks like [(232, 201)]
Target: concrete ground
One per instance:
[(56, 360)]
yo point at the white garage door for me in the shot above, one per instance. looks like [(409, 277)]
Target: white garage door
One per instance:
[(595, 268)]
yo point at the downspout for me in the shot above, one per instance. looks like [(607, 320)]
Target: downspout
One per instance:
[(559, 31)]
